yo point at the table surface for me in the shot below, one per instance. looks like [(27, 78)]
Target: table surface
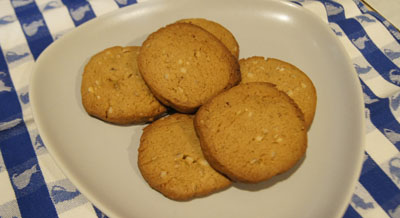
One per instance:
[(27, 172), (388, 9)]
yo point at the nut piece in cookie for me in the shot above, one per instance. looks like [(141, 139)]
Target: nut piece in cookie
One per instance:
[(113, 90), (185, 65), (251, 132), (171, 161)]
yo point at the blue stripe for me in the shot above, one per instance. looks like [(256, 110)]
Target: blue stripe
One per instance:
[(124, 3), (361, 6), (80, 10), (378, 60), (7, 111), (296, 2), (334, 10), (379, 185), (99, 213), (34, 27), (351, 213), (24, 170), (20, 160), (368, 91), (381, 116)]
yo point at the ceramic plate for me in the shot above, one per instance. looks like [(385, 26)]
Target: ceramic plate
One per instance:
[(100, 158)]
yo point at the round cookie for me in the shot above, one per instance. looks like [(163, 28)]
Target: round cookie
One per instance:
[(113, 90), (219, 31), (251, 132), (286, 77), (171, 161), (184, 66)]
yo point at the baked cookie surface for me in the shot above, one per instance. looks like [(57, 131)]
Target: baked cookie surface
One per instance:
[(251, 132), (185, 65), (219, 31), (286, 77), (171, 161), (113, 90)]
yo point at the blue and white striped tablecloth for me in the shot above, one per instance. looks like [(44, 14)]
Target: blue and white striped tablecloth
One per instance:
[(32, 186)]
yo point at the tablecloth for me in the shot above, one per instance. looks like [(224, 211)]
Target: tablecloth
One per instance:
[(31, 185)]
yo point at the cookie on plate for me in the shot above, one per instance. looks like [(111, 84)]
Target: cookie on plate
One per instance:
[(219, 31), (251, 132), (113, 90), (185, 65), (171, 161), (286, 77)]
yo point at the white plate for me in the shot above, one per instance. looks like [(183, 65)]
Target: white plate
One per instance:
[(100, 159)]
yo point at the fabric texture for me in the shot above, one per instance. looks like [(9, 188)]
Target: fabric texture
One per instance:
[(32, 186)]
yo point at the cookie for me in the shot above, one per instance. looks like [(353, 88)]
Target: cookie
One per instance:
[(171, 161), (251, 132), (113, 90), (219, 31), (286, 77), (184, 66)]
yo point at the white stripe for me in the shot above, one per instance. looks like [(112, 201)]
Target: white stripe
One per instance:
[(7, 191), (20, 74), (379, 147), (368, 212), (379, 86), (43, 3), (9, 124), (350, 8), (85, 210), (11, 36), (317, 8), (101, 7), (58, 20), (6, 8), (378, 33), (50, 171)]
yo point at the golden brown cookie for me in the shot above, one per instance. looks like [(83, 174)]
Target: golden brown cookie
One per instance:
[(286, 77), (251, 132), (219, 31), (113, 90), (185, 65), (171, 161)]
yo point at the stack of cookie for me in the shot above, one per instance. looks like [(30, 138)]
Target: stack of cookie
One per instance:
[(235, 120)]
